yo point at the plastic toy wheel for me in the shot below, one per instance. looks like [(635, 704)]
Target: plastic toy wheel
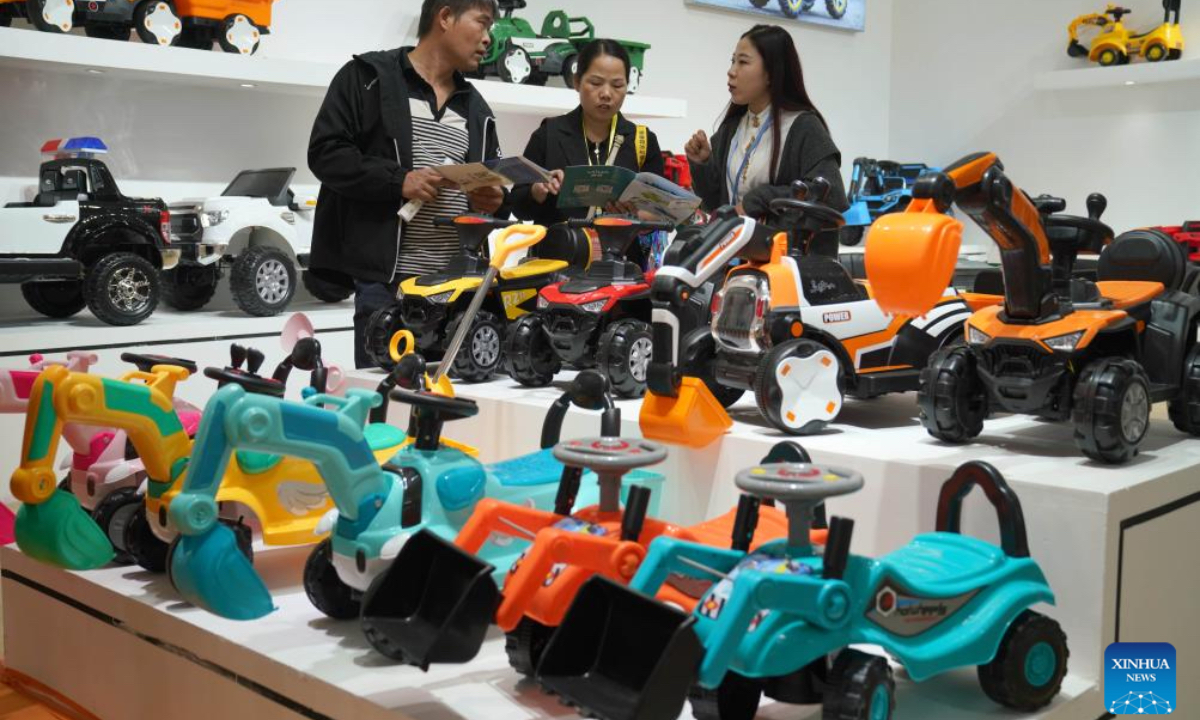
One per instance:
[(323, 290), (851, 235), (861, 687), (737, 698), (482, 350), (624, 355), (1029, 666), (122, 289), (836, 8), (107, 31), (157, 22), (953, 400), (793, 8), (525, 644), (381, 326), (195, 37), (798, 387), (529, 357), (53, 16), (1174, 54), (239, 35), (324, 588), (190, 286), (142, 544), (1111, 410), (570, 67), (635, 80), (1111, 56), (263, 281), (1184, 408), (113, 514), (515, 66), (1155, 53), (54, 298)]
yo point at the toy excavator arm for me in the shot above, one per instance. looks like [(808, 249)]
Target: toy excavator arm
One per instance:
[(237, 420), (1090, 19), (669, 556), (145, 411)]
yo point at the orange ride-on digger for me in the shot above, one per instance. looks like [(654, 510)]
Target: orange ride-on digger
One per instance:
[(1095, 353)]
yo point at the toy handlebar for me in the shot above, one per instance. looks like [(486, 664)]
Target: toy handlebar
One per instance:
[(590, 391), (473, 220), (146, 363), (1013, 539), (621, 222)]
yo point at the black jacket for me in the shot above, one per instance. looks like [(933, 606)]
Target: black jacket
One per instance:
[(558, 144), (808, 152), (361, 151)]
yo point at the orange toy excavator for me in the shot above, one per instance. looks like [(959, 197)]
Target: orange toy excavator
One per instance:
[(1096, 354)]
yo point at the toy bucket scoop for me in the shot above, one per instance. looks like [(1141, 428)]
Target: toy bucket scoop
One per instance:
[(435, 602)]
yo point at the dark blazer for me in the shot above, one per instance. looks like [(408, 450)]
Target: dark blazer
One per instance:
[(559, 144)]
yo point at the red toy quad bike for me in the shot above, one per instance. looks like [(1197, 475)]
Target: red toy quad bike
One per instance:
[(1187, 235), (599, 318)]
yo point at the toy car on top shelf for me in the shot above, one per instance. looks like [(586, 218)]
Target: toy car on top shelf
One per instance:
[(80, 242), (261, 231), (1117, 45), (519, 54), (236, 25)]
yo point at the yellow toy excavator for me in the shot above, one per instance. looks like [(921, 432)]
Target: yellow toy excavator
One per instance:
[(1116, 45)]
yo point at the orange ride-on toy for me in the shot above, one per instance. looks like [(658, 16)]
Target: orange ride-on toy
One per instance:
[(438, 598), (1098, 354)]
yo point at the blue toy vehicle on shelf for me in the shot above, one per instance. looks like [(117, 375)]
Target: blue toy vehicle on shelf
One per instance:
[(779, 620), (877, 187)]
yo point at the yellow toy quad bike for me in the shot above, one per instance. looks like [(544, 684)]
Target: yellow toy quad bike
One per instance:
[(1116, 45), (432, 306)]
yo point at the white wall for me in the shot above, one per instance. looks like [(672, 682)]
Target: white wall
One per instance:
[(963, 81)]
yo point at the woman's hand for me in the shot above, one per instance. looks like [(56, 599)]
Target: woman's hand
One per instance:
[(542, 191), (486, 200), (698, 149)]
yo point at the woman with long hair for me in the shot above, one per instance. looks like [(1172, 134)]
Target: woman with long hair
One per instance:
[(772, 133)]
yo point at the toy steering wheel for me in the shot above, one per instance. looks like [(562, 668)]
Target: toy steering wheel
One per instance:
[(146, 363), (798, 482), (252, 383), (609, 455), (1090, 233), (815, 213), (443, 408)]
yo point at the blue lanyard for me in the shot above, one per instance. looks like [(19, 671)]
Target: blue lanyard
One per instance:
[(736, 181)]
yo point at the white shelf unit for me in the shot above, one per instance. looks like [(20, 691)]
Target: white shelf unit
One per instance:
[(1137, 73), (29, 49)]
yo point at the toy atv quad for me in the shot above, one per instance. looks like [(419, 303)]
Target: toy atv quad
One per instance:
[(1064, 348), (794, 8), (598, 318), (1187, 235), (791, 326), (520, 55), (1116, 45), (408, 621), (780, 619), (432, 306), (877, 187)]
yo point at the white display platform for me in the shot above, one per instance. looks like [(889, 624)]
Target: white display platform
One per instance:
[(1113, 543)]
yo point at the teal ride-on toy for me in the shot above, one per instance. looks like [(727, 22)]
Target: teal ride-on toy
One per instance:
[(427, 484), (778, 621)]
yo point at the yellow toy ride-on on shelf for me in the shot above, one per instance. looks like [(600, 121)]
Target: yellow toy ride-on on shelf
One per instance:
[(1116, 45)]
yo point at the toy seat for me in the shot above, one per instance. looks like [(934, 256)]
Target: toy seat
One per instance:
[(571, 245), (539, 468), (531, 268), (382, 435), (938, 564), (1148, 256), (1125, 294), (827, 282)]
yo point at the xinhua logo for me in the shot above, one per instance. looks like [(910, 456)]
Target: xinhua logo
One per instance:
[(1139, 679)]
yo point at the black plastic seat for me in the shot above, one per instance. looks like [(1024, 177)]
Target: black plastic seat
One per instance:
[(827, 282), (1144, 255)]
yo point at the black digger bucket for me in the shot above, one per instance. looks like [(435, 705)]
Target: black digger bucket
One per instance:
[(432, 605), (621, 655)]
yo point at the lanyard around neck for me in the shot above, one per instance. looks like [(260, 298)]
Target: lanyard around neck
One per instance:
[(612, 136), (735, 182)]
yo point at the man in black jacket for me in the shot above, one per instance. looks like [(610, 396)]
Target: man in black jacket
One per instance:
[(388, 118)]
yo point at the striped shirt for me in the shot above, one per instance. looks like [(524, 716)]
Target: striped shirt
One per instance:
[(425, 248)]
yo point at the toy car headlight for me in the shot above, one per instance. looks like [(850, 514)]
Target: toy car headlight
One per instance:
[(975, 336), (1065, 343), (542, 302), (214, 218), (595, 307), (441, 298)]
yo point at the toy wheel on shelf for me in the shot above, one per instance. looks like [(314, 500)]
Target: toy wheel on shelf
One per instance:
[(861, 687), (107, 31), (1111, 56), (836, 8), (525, 644), (381, 326), (1029, 666), (952, 399), (1111, 410), (1174, 54), (624, 354), (736, 698), (239, 35), (122, 289), (529, 357), (570, 67), (157, 22), (482, 350), (1155, 53), (113, 514), (515, 66), (263, 281), (1184, 408), (635, 80), (324, 588), (147, 549), (851, 235), (5, 18), (54, 298), (195, 37), (190, 286), (323, 290), (53, 16), (799, 387)]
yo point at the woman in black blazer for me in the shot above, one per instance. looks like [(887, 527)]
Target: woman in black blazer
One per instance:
[(587, 136)]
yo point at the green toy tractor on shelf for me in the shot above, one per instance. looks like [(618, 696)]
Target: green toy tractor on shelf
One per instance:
[(520, 55)]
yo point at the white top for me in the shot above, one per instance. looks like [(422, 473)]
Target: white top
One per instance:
[(757, 171)]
